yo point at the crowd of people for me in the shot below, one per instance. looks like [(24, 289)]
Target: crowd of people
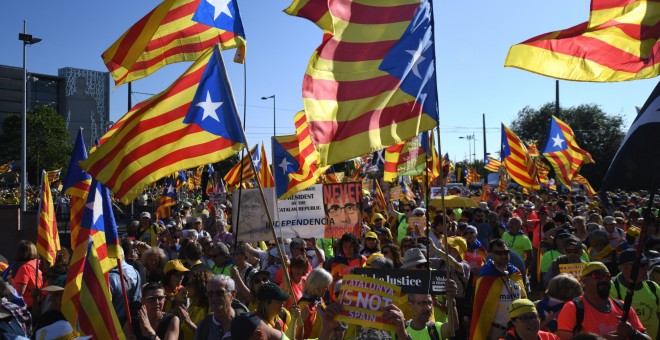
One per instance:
[(518, 266)]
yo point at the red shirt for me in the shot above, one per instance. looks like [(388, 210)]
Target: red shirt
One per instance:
[(26, 275), (595, 321)]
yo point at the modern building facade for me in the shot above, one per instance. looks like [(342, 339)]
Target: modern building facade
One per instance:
[(81, 96)]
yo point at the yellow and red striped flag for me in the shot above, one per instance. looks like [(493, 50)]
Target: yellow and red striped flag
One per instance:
[(363, 90), (492, 164), (265, 175), (433, 159), (97, 316), (379, 202), (516, 159), (233, 177), (9, 166), (413, 157), (53, 175), (502, 184), (619, 42), (563, 152), (48, 238), (295, 160), (166, 35), (532, 150), (193, 122), (391, 157), (543, 171), (76, 185), (580, 179), (167, 199)]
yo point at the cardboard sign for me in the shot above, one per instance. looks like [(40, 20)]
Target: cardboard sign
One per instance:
[(418, 223), (410, 281), (302, 215), (343, 208), (252, 224), (365, 298), (396, 193), (575, 269)]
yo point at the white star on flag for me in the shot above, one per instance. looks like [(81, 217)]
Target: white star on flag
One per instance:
[(557, 142), (284, 165), (220, 6), (96, 206), (417, 58), (209, 107)]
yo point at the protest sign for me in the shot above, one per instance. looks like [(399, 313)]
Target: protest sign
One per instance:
[(364, 299), (396, 193), (410, 281), (302, 215), (252, 222), (343, 208), (572, 268), (418, 223), (436, 192)]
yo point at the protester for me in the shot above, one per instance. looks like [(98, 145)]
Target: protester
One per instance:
[(524, 322), (198, 308), (561, 289), (151, 321), (175, 292), (312, 304), (220, 290), (499, 283), (24, 271), (600, 313)]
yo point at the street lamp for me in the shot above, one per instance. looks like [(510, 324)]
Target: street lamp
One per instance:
[(471, 147), (266, 98), (27, 39)]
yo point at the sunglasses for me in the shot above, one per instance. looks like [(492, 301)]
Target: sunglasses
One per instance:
[(600, 276), (155, 298), (499, 252), (378, 220)]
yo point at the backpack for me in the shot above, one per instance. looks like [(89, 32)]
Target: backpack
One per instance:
[(649, 283), (579, 312), (430, 327)]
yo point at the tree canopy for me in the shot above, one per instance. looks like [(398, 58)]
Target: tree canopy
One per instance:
[(595, 131), (48, 141)]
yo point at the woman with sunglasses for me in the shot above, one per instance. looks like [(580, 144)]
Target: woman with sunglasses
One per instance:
[(172, 284), (151, 322)]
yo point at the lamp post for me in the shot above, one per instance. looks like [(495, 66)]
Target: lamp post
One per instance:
[(27, 39), (472, 148), (266, 98)]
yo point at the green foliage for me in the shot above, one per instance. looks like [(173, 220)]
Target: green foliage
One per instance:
[(595, 131), (48, 142)]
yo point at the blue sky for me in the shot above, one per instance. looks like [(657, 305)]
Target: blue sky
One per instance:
[(472, 41)]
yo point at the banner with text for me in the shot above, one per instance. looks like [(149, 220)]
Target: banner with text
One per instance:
[(302, 215), (343, 208), (410, 281), (574, 269), (364, 300)]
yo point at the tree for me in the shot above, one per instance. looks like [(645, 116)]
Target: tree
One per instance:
[(48, 141), (595, 131)]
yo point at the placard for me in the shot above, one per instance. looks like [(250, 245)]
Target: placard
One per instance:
[(364, 300), (410, 281), (575, 269), (302, 215), (343, 208), (396, 193), (252, 225), (418, 223)]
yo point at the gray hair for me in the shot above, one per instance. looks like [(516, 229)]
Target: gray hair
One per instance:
[(317, 280), (382, 262), (297, 243), (230, 285)]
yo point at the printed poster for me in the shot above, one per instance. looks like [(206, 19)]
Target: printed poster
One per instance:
[(343, 208)]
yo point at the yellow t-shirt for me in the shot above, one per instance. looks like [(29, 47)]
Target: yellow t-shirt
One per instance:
[(644, 302), (197, 314)]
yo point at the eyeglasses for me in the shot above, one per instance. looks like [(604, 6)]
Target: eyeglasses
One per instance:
[(600, 276), (378, 220), (499, 252), (218, 293), (349, 208), (155, 298), (527, 318)]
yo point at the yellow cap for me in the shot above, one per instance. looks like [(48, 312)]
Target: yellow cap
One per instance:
[(175, 265), (633, 232), (592, 267), (371, 234), (377, 216), (371, 257), (520, 307), (458, 243)]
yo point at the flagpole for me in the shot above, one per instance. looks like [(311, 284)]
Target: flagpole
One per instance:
[(240, 181), (285, 267), (125, 293)]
